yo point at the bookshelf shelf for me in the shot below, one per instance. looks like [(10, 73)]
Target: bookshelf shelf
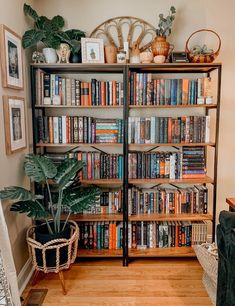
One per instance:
[(173, 106), (163, 252), (99, 253), (203, 180), (127, 74), (95, 217), (172, 217), (75, 145), (152, 145)]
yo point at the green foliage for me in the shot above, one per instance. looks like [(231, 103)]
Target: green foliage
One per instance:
[(49, 32), (63, 187), (165, 24), (197, 50)]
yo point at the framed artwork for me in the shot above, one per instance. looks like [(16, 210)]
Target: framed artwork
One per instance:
[(11, 59), (14, 121), (92, 50)]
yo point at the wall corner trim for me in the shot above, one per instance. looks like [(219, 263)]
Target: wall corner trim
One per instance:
[(25, 275)]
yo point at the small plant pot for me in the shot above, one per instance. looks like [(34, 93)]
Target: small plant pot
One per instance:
[(42, 236), (50, 55), (75, 58)]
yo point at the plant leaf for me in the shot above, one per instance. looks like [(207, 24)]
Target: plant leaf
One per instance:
[(75, 34), (57, 22), (67, 171), (51, 41), (30, 12), (80, 199), (31, 38), (39, 168), (43, 23), (33, 209), (16, 193)]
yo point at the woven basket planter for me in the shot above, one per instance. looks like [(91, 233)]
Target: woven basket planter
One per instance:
[(210, 287)]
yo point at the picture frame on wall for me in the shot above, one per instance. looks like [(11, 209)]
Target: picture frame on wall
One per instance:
[(11, 59), (92, 50), (14, 122)]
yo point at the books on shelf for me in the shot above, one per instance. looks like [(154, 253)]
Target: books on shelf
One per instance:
[(186, 129), (145, 89), (172, 165), (191, 200), (76, 129), (53, 89), (101, 235), (152, 234)]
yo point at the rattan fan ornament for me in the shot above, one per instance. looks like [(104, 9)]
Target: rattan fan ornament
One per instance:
[(200, 56)]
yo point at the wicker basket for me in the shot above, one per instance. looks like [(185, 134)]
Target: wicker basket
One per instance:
[(202, 58)]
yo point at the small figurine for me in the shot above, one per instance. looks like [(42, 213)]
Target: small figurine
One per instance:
[(38, 57), (63, 53)]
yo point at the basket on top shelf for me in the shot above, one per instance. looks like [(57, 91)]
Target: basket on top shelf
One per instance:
[(201, 56)]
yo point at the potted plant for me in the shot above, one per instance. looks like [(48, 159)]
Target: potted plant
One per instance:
[(159, 45), (64, 191), (50, 33), (73, 38)]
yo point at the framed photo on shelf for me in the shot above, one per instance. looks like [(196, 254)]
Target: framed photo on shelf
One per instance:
[(92, 50), (11, 58), (14, 121)]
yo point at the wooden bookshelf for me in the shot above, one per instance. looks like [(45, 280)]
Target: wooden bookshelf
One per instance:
[(99, 253), (94, 217), (203, 180), (103, 182), (163, 252), (231, 203), (152, 145), (171, 217), (173, 106)]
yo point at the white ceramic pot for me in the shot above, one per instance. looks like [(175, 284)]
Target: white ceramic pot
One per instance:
[(50, 55), (159, 59)]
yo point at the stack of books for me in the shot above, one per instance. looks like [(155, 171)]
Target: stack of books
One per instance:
[(193, 165)]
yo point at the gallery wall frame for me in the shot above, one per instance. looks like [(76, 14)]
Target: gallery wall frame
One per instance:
[(11, 59), (92, 50), (15, 124)]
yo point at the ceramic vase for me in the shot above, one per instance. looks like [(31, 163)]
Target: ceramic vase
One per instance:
[(110, 54), (160, 46), (50, 55)]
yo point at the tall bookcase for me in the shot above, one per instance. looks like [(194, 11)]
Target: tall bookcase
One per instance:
[(168, 70)]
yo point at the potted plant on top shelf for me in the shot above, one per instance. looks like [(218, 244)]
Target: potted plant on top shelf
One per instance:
[(50, 33), (65, 193), (160, 46)]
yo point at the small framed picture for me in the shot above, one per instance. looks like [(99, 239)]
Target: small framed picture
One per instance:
[(11, 58), (14, 122), (92, 50)]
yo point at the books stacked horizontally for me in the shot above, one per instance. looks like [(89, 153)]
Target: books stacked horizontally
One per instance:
[(144, 90), (192, 200), (73, 129), (142, 165), (190, 129), (193, 162), (100, 235), (52, 89), (144, 234)]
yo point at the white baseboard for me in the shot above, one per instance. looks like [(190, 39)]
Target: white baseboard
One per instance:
[(25, 275)]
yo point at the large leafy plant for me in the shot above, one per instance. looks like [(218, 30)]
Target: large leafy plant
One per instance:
[(165, 23), (49, 32), (63, 187)]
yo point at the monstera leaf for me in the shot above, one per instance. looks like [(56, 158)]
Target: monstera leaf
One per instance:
[(16, 193), (81, 198), (66, 172), (39, 168), (33, 209), (31, 38), (30, 12)]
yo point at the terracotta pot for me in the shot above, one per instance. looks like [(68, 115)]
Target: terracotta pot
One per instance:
[(110, 54), (160, 46)]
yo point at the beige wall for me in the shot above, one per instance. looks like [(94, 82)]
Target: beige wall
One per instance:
[(191, 15), (11, 14)]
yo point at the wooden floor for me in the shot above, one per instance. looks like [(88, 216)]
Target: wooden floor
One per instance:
[(168, 282)]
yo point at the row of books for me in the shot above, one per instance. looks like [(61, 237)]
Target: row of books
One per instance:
[(100, 235), (73, 129), (152, 165), (192, 200), (190, 129), (144, 90), (193, 162), (144, 234), (53, 89)]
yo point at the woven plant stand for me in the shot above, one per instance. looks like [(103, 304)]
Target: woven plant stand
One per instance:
[(70, 244), (209, 263)]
